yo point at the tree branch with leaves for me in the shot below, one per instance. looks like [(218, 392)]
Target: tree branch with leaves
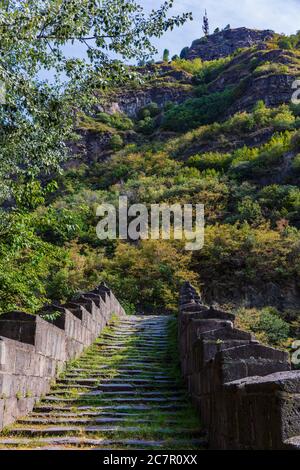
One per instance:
[(38, 116)]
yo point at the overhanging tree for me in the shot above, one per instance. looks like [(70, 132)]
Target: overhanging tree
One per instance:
[(36, 35)]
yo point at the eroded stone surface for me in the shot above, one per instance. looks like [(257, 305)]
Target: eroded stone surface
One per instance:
[(121, 393)]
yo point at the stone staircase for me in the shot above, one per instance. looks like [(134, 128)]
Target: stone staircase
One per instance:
[(124, 392)]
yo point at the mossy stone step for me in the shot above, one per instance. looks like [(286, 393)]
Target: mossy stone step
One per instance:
[(113, 408), (121, 393), (82, 420), (65, 443), (100, 414), (124, 373), (59, 430), (115, 382), (116, 399)]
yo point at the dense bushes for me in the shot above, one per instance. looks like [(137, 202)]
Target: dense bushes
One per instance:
[(51, 249), (242, 258), (116, 142), (104, 122), (271, 68), (146, 123), (289, 42), (116, 120), (266, 324), (203, 71), (197, 111), (147, 276), (215, 160)]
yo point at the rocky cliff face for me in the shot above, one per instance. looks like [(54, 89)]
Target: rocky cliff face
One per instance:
[(226, 42), (265, 75), (130, 101)]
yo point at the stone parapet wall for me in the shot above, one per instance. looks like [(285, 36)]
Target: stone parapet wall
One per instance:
[(246, 393), (35, 348)]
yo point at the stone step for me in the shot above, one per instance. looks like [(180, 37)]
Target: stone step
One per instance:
[(119, 345), (101, 414), (60, 443), (116, 381), (142, 336), (125, 408), (93, 420), (138, 340), (133, 393), (127, 364), (61, 430), (121, 373), (117, 399), (112, 394), (150, 361), (82, 420), (120, 394)]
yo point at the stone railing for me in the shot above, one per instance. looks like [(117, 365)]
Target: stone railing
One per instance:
[(34, 350), (246, 393)]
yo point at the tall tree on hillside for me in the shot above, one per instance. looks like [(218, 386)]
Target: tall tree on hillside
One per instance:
[(166, 55), (205, 26)]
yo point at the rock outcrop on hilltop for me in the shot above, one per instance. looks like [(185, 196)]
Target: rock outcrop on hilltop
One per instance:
[(226, 42)]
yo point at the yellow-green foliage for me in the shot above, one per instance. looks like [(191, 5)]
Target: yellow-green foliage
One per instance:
[(198, 66), (104, 122), (52, 250), (148, 275), (266, 324), (271, 68), (190, 66), (238, 256)]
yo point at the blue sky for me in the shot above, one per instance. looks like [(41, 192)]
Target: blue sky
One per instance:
[(280, 15)]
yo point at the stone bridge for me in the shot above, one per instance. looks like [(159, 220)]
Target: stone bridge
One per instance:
[(85, 375)]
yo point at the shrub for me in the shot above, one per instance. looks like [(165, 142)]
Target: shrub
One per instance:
[(210, 70), (271, 68), (146, 275), (59, 225), (284, 120), (242, 257), (146, 125), (275, 328), (285, 43), (249, 211), (266, 323), (197, 111), (190, 66), (116, 142), (151, 110), (261, 113), (184, 52), (239, 123), (117, 120), (296, 162), (210, 160), (295, 141)]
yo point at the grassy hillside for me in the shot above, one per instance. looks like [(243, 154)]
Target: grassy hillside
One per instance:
[(218, 147)]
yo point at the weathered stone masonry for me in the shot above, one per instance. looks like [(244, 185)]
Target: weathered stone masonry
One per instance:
[(246, 393), (34, 350)]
